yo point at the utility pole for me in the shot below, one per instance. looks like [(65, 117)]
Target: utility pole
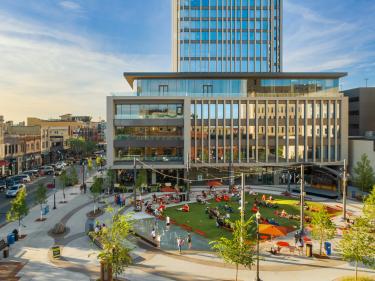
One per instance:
[(366, 79), (302, 214), (188, 179), (135, 180), (344, 191)]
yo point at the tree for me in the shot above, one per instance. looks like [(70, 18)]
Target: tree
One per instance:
[(96, 190), (114, 252), (19, 208), (358, 244), (41, 198), (363, 174), (73, 176), (240, 249), (80, 146), (369, 206), (141, 180), (322, 227), (110, 179), (64, 181)]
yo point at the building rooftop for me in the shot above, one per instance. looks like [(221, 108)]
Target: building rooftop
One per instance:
[(131, 76)]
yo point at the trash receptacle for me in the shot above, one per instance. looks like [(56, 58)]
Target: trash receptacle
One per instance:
[(6, 252), (15, 232), (327, 248), (10, 239), (309, 250)]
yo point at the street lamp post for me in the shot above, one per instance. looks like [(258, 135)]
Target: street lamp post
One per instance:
[(344, 190), (302, 210), (257, 216), (188, 179), (135, 183), (54, 194)]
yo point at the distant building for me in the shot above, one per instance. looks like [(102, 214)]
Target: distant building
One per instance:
[(359, 146), (361, 110)]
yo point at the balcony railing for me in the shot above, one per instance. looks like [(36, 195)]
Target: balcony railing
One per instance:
[(148, 138), (165, 158)]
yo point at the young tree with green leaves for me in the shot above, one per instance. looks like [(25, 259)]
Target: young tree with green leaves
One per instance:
[(322, 227), (18, 209), (369, 206), (240, 249), (115, 254), (363, 174), (41, 198), (110, 179), (73, 176), (358, 244), (64, 181), (96, 190)]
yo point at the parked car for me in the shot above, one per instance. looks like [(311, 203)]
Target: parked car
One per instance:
[(13, 190), (3, 184), (35, 172), (16, 179), (25, 177), (47, 170)]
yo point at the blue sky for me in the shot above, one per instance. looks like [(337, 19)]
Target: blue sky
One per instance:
[(60, 56)]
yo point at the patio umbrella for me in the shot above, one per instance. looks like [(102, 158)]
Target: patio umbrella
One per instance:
[(214, 183), (282, 244), (272, 230)]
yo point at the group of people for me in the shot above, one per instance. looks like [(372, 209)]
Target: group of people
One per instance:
[(120, 200), (99, 227)]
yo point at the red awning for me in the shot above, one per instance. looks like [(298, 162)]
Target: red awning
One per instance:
[(3, 163)]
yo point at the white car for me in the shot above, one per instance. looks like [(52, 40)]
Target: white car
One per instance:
[(25, 178), (13, 190)]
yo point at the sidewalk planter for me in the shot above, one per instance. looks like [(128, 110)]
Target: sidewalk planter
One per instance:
[(105, 272)]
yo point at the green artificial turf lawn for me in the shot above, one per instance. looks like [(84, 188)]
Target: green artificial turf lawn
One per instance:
[(198, 219)]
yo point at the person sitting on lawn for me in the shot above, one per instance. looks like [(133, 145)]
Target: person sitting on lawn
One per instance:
[(186, 208), (204, 194), (154, 198), (270, 198), (283, 213), (264, 197)]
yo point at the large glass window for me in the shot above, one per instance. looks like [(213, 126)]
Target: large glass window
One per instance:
[(148, 111)]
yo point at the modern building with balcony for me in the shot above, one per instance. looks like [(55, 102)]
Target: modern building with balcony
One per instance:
[(227, 35), (224, 121)]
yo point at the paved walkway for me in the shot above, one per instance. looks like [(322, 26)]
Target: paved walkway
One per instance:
[(79, 254)]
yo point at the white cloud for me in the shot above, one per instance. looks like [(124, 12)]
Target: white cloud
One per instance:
[(313, 42), (46, 72), (70, 5)]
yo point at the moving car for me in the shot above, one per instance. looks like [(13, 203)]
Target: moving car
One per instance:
[(13, 190)]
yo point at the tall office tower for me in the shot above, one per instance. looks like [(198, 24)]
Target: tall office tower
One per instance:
[(227, 35)]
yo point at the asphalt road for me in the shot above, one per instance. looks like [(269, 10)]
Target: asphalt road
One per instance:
[(31, 190)]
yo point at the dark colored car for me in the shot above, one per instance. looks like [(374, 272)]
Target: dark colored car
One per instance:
[(3, 184)]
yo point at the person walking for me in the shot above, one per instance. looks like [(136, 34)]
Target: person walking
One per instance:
[(153, 234), (168, 221), (189, 240), (180, 242)]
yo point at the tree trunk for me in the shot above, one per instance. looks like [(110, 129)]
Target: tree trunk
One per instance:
[(19, 227), (41, 212), (356, 270), (320, 248), (236, 271)]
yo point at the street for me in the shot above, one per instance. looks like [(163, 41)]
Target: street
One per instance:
[(31, 190)]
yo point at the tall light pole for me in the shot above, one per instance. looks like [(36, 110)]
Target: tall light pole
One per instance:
[(344, 191), (54, 194), (188, 179), (242, 198), (257, 216), (302, 211), (135, 180)]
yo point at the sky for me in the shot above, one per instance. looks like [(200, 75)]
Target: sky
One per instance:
[(66, 56)]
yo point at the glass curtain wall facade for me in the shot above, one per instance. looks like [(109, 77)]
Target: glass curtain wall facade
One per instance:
[(227, 35)]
